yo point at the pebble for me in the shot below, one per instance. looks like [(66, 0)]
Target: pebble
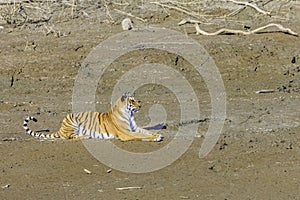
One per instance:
[(109, 170), (127, 24)]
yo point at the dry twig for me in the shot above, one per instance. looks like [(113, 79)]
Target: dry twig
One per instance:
[(235, 12), (265, 91), (130, 15), (108, 12), (5, 186), (192, 21), (188, 12), (73, 8), (13, 2), (128, 188), (250, 5), (87, 171)]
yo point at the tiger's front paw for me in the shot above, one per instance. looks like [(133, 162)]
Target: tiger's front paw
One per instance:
[(158, 138)]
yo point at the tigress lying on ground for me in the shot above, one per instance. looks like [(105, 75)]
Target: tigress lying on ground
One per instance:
[(118, 123)]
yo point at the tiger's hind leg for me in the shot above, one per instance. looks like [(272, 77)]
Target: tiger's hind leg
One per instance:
[(68, 128)]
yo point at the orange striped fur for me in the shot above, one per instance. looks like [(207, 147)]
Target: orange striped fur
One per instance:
[(117, 123)]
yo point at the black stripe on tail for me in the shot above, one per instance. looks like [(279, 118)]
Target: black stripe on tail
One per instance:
[(30, 132)]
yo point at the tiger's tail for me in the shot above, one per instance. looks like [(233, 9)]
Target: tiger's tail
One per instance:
[(37, 133)]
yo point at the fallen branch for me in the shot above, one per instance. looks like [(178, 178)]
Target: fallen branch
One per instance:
[(240, 32), (251, 5)]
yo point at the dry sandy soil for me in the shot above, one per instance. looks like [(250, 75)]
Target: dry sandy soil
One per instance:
[(256, 156)]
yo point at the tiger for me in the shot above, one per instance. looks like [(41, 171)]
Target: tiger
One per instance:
[(117, 123)]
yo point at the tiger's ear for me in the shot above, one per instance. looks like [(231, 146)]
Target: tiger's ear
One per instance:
[(124, 96)]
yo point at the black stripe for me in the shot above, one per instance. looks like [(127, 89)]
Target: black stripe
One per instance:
[(91, 121)]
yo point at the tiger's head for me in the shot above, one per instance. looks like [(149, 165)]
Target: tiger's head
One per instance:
[(132, 105)]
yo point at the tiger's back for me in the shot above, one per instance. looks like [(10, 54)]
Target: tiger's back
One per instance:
[(84, 124)]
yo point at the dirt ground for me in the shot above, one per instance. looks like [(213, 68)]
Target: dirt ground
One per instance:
[(256, 156)]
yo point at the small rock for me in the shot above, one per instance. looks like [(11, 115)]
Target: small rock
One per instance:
[(293, 59), (127, 24), (247, 27)]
